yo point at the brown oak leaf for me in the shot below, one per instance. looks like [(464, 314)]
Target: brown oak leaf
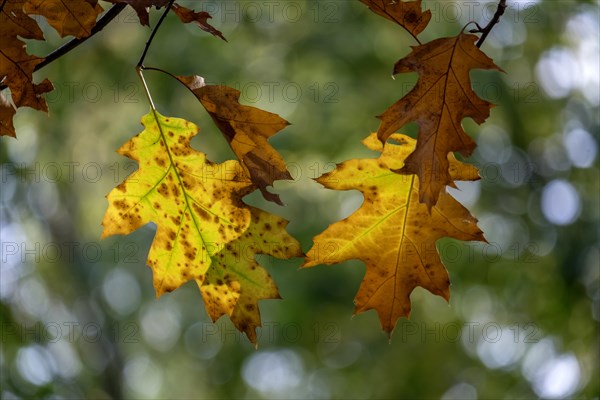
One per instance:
[(438, 103), (7, 112), (141, 7), (199, 18), (409, 14), (247, 129), (16, 66), (75, 18)]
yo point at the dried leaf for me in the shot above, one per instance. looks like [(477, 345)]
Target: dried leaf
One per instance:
[(16, 66), (408, 14), (7, 112), (75, 18), (247, 129), (392, 232), (199, 18), (141, 7), (439, 102)]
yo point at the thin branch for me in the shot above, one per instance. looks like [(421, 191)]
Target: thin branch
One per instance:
[(67, 47), (151, 38), (486, 31)]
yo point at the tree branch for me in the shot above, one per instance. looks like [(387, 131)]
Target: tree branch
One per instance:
[(67, 47), (486, 31), (140, 63)]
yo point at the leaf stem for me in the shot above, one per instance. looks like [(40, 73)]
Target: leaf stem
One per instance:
[(486, 31), (151, 38), (139, 70), (72, 44)]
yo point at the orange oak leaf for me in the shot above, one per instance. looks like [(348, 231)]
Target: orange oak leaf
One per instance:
[(247, 129), (235, 282), (199, 18), (409, 14), (75, 18), (141, 7), (392, 232), (16, 66), (438, 103)]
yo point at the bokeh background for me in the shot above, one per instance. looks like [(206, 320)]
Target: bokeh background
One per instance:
[(79, 315)]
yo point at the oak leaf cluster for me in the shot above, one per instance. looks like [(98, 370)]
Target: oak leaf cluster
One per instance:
[(206, 233)]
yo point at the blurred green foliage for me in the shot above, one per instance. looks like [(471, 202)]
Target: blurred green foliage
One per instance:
[(79, 316)]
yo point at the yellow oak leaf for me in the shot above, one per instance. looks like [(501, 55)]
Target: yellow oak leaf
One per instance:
[(235, 281), (196, 204), (392, 232), (438, 103)]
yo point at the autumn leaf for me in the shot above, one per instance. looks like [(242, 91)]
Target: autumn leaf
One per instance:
[(408, 14), (392, 232), (196, 204), (75, 18), (235, 281), (205, 233), (16, 66), (7, 112), (247, 129), (185, 14), (141, 7), (438, 103), (199, 18)]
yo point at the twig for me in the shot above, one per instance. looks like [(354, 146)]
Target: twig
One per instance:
[(151, 38), (486, 31), (140, 65), (67, 47)]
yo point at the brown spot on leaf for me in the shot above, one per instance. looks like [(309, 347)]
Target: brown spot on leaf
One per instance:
[(163, 190), (121, 204), (202, 213)]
